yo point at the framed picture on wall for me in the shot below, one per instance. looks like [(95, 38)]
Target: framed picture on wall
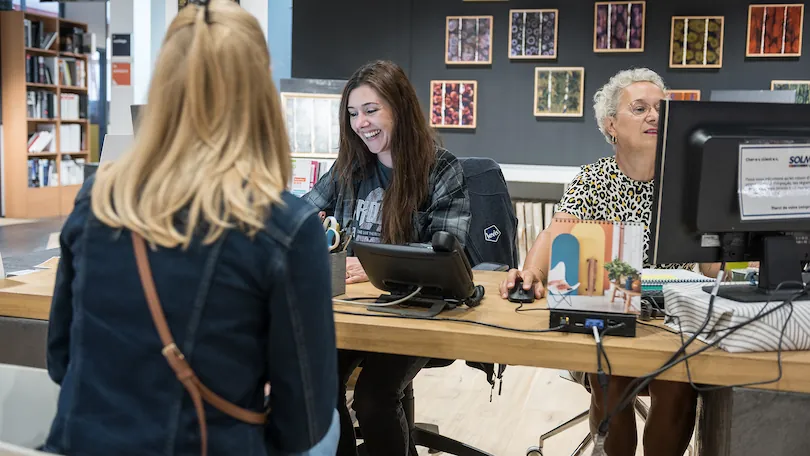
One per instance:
[(453, 104), (683, 95), (774, 30), (313, 123), (468, 40), (802, 89), (559, 91), (619, 26), (696, 42), (533, 33)]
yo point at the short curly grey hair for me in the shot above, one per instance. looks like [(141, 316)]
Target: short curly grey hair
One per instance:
[(606, 99)]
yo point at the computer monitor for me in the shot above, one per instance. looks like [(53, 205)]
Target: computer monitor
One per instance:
[(699, 213)]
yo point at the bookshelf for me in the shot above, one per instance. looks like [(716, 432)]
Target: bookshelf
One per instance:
[(44, 88)]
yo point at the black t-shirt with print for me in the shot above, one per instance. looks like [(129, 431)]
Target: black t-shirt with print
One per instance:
[(368, 206)]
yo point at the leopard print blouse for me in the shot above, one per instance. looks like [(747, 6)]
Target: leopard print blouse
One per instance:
[(601, 191)]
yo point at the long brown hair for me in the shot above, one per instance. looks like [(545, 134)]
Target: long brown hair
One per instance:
[(413, 148), (211, 140)]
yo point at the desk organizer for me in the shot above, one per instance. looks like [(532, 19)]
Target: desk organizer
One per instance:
[(337, 264)]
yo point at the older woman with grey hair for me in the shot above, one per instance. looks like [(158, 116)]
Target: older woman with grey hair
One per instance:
[(627, 114)]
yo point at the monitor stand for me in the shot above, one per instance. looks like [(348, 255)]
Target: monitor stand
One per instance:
[(780, 265), (418, 306)]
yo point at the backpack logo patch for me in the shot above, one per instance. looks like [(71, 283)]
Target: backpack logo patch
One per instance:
[(492, 234)]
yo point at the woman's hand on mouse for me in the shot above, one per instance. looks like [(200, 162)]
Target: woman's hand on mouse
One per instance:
[(530, 277)]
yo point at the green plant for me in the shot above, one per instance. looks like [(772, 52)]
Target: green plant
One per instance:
[(617, 269)]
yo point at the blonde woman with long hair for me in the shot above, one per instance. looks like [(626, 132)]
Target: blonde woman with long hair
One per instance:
[(196, 217)]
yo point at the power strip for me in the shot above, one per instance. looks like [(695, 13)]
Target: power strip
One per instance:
[(578, 321)]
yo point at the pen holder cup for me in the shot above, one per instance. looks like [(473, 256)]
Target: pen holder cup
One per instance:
[(337, 263)]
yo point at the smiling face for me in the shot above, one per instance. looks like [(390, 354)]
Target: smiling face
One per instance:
[(635, 125), (371, 120)]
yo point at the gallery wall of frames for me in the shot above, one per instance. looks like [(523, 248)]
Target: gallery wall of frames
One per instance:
[(514, 79)]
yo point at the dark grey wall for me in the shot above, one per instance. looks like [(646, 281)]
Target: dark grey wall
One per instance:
[(332, 38)]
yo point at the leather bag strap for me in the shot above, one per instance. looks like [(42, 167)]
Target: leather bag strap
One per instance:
[(177, 360)]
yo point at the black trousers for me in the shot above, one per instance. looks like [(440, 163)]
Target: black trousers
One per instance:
[(377, 402)]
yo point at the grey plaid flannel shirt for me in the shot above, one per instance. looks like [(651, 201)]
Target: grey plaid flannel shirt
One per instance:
[(448, 209)]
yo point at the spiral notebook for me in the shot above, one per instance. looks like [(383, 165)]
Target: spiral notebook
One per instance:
[(655, 279), (596, 266)]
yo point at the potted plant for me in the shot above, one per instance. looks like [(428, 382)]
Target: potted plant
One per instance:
[(621, 273), (614, 270)]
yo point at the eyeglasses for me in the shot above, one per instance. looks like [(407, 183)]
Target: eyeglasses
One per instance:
[(641, 108), (204, 4)]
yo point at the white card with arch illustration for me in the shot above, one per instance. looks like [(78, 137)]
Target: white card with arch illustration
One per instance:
[(596, 266)]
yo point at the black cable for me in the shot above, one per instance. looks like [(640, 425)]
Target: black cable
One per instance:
[(647, 379), (779, 350), (456, 320), (520, 308), (631, 391)]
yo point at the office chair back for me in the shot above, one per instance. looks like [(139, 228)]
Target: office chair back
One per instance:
[(493, 227)]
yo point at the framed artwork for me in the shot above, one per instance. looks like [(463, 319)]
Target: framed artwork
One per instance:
[(313, 123), (696, 42), (774, 30), (533, 33), (684, 95), (802, 89), (468, 40), (619, 26), (453, 104), (558, 91)]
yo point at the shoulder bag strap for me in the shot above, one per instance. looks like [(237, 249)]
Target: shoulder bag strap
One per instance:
[(175, 358)]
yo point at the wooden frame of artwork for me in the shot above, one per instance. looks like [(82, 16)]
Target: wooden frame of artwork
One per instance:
[(518, 44), (456, 109), (703, 26), (802, 89), (788, 26), (544, 81), (482, 52), (684, 95), (313, 123), (604, 16)]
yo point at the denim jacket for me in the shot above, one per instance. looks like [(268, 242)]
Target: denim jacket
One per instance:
[(243, 311)]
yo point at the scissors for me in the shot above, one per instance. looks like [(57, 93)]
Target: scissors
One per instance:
[(332, 227)]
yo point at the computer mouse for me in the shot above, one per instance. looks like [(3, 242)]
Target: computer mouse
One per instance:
[(518, 294)]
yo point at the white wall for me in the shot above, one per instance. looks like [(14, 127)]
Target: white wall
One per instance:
[(121, 97)]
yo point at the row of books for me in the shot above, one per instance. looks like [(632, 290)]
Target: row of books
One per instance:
[(39, 69), (42, 140), (72, 138), (43, 70), (42, 172), (36, 36), (533, 217), (72, 72), (41, 104), (76, 40), (71, 171), (306, 172), (72, 106)]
